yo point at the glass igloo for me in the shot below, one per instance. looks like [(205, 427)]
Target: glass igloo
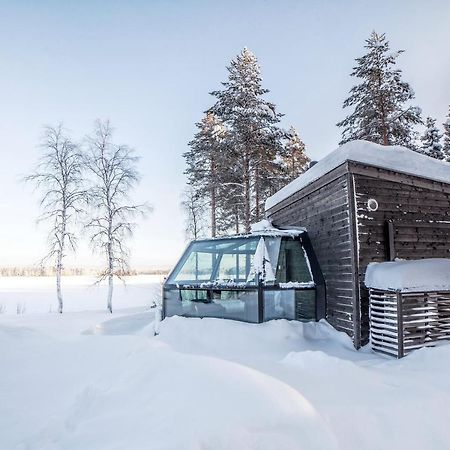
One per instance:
[(264, 275)]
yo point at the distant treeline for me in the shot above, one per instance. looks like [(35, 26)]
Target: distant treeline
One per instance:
[(50, 271)]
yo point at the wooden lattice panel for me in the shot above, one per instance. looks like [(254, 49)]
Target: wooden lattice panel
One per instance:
[(401, 322)]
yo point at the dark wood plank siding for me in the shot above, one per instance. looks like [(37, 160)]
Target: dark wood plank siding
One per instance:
[(420, 213), (322, 208)]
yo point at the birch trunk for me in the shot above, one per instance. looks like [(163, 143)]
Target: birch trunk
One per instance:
[(110, 291), (59, 258), (58, 281), (110, 273)]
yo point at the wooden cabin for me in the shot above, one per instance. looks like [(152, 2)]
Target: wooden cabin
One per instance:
[(366, 203)]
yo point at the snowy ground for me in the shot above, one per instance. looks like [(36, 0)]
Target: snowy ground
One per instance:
[(37, 294), (89, 380)]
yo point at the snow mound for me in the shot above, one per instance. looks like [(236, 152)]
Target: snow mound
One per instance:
[(239, 341), (395, 158), (212, 384), (130, 392), (423, 275)]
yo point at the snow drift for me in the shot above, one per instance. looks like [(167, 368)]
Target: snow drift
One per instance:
[(211, 384)]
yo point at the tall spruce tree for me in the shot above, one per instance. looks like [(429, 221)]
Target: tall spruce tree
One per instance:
[(431, 140), (381, 113), (253, 140), (446, 145), (294, 158), (205, 167)]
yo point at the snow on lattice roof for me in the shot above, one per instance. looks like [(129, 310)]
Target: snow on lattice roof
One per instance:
[(399, 159), (422, 275), (264, 228)]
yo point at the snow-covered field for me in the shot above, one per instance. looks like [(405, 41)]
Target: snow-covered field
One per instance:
[(88, 380), (38, 294)]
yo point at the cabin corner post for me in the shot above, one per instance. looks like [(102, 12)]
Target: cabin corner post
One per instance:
[(353, 222)]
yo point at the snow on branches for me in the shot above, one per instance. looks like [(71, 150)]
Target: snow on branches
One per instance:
[(113, 175), (381, 113), (58, 177), (240, 155)]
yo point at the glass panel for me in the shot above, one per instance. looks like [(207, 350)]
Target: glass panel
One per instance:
[(292, 263), (305, 304), (279, 304), (197, 267), (227, 260), (238, 305), (290, 304)]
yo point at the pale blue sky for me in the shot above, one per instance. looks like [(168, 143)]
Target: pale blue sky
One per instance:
[(148, 67)]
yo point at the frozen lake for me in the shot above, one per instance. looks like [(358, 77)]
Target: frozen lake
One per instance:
[(38, 294)]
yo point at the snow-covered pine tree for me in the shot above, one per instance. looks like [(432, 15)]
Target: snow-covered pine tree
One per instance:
[(431, 140), (294, 158), (254, 139), (205, 171), (446, 145), (381, 112)]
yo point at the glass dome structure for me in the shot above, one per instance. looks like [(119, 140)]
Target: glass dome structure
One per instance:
[(252, 278)]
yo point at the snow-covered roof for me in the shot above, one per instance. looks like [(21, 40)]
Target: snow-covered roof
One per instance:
[(421, 275), (399, 159), (263, 228)]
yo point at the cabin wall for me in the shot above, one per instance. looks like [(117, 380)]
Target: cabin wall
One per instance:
[(323, 209), (420, 213)]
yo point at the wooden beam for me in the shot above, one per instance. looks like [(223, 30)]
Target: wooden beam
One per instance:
[(353, 215)]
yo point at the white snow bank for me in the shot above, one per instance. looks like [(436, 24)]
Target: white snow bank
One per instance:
[(131, 392), (423, 275), (211, 384), (395, 158)]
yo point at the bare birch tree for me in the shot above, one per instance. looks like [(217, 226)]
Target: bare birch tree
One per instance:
[(194, 210), (59, 178), (114, 175)]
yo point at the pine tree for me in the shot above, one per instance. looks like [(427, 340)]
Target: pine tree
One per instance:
[(294, 159), (431, 140), (254, 138), (204, 166), (446, 146), (380, 113)]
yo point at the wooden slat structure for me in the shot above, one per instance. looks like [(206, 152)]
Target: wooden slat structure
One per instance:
[(403, 321), (412, 221)]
